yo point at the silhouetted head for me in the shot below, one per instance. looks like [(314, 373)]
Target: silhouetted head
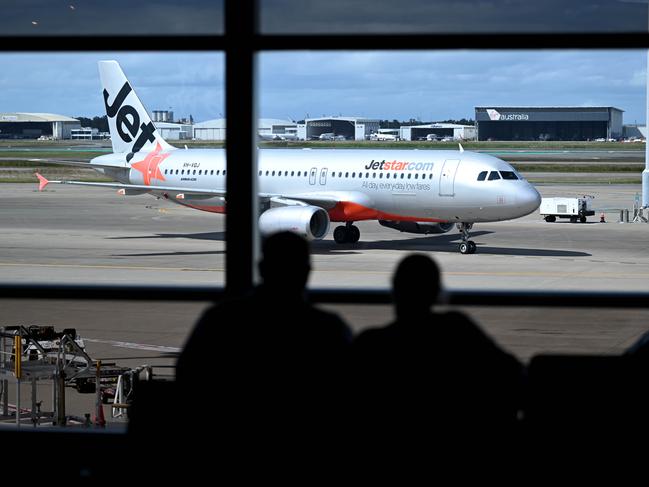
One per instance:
[(415, 285), (285, 264)]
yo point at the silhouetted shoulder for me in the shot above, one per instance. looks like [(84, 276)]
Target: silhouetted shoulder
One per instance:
[(330, 323)]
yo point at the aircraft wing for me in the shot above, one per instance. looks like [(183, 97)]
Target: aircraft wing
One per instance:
[(325, 199)]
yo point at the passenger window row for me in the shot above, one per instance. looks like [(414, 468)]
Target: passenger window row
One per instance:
[(494, 175), (353, 175), (200, 172), (359, 175)]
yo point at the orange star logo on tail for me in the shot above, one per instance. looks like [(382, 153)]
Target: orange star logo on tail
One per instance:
[(150, 165)]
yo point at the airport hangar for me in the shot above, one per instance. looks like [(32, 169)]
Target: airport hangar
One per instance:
[(216, 129), (34, 125), (548, 123), (441, 130), (352, 128)]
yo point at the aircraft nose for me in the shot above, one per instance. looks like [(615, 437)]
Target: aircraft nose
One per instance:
[(529, 199)]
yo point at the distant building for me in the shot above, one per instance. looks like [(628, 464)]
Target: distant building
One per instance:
[(84, 133), (34, 125), (277, 129), (437, 131), (210, 130), (163, 116), (174, 131), (633, 131), (267, 128), (548, 123), (349, 128)]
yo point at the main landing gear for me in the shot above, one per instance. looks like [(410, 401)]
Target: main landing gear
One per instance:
[(466, 246), (347, 234)]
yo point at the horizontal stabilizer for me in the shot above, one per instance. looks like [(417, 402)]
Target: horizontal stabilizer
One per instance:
[(42, 182)]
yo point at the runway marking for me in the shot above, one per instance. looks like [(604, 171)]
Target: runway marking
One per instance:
[(90, 266), (136, 346)]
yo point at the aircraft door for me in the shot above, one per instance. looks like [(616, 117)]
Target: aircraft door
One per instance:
[(447, 177), (312, 175), (323, 176)]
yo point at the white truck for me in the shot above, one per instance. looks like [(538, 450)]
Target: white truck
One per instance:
[(577, 209)]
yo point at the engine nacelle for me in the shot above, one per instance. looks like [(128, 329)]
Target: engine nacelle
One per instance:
[(418, 227), (311, 222)]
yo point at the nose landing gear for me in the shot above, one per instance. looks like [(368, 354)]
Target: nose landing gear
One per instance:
[(347, 234), (466, 246)]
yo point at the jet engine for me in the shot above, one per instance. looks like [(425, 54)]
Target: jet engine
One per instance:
[(311, 222), (418, 227)]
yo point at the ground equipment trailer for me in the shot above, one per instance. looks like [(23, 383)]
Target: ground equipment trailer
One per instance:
[(577, 209)]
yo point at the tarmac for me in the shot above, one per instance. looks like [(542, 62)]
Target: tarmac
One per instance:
[(85, 235)]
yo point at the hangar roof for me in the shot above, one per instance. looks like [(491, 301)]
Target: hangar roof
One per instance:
[(348, 119), (438, 126), (217, 123), (269, 122), (35, 117), (548, 107)]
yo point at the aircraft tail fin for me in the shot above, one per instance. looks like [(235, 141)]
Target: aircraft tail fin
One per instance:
[(131, 128)]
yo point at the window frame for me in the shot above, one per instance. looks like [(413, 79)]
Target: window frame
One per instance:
[(241, 41)]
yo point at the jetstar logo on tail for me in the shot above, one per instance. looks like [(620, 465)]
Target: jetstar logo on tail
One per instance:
[(128, 121), (150, 165)]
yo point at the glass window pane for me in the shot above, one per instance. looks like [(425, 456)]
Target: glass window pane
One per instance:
[(451, 16), (118, 17), (554, 105), (109, 235)]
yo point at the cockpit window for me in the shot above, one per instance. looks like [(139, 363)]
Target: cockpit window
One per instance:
[(482, 176), (508, 175), (493, 175)]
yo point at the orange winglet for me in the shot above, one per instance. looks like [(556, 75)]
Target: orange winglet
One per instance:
[(42, 182)]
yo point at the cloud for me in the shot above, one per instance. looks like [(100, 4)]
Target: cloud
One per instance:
[(434, 85), (445, 84)]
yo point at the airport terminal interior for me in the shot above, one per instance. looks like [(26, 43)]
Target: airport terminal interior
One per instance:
[(532, 363)]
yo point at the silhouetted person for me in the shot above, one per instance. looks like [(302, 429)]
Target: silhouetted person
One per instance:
[(268, 366), (429, 373)]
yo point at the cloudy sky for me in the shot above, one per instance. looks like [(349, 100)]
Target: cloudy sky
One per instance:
[(428, 86)]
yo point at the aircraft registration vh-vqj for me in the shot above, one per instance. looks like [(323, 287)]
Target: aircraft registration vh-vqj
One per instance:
[(417, 191)]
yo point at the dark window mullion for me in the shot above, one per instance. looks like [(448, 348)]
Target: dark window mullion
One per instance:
[(241, 121)]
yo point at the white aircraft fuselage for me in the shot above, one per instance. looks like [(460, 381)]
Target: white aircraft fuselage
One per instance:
[(415, 185)]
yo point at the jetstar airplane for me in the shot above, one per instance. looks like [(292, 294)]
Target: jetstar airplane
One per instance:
[(304, 190)]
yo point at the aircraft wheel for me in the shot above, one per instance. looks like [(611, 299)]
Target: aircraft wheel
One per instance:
[(468, 247), (341, 235), (354, 234)]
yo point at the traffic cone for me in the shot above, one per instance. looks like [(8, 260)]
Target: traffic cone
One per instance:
[(601, 218)]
